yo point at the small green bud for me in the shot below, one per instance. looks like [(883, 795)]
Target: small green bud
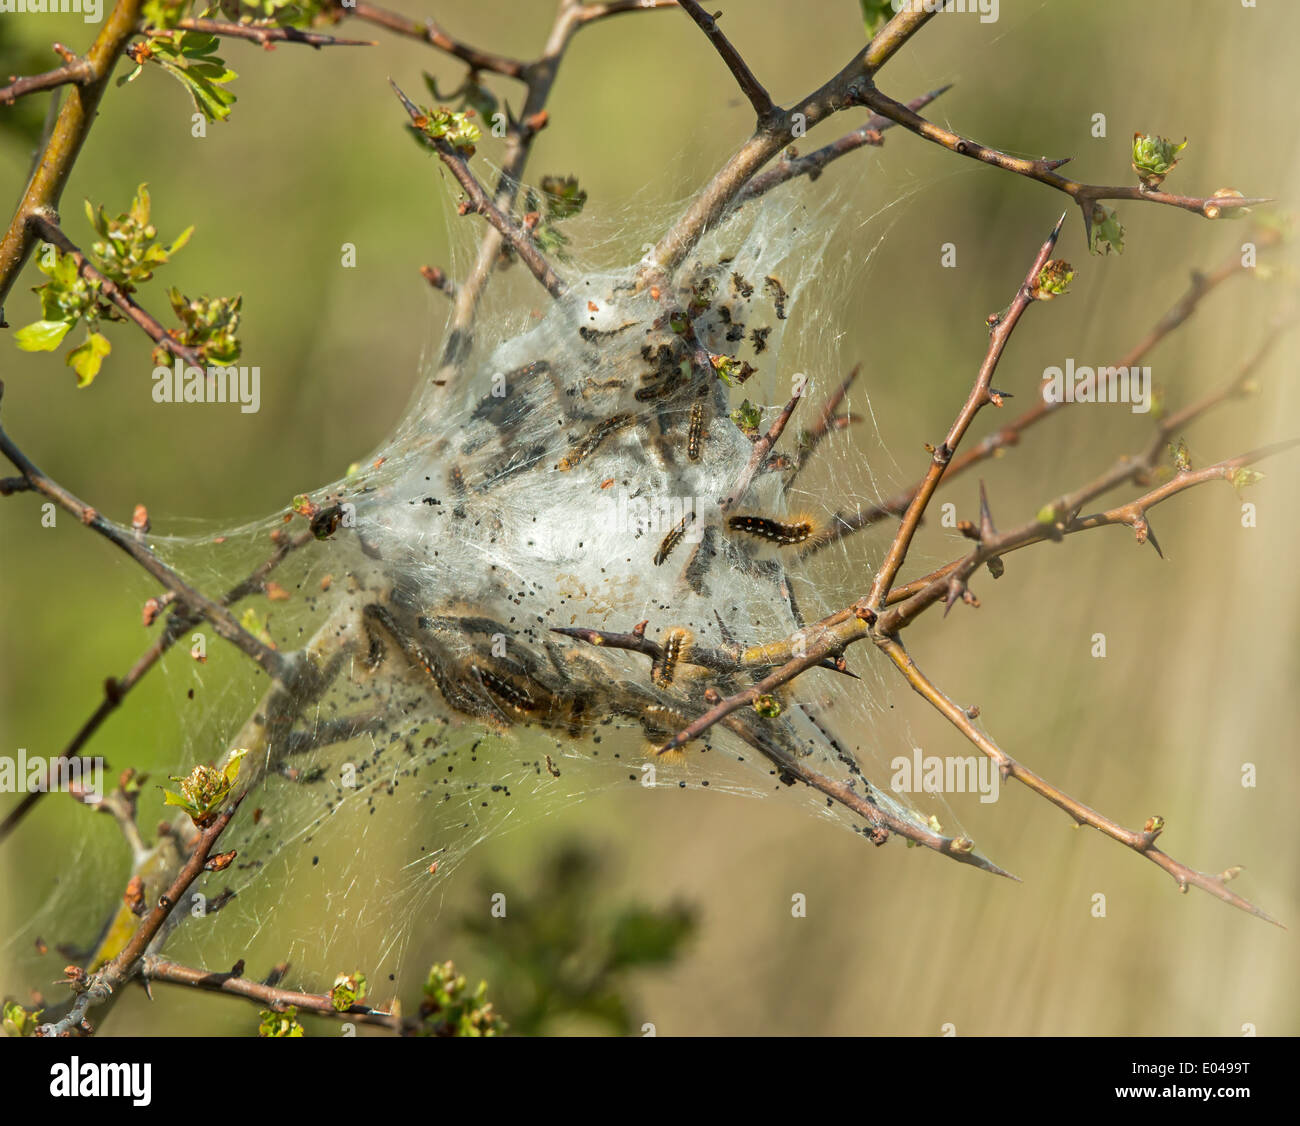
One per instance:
[(1154, 157), (769, 707), (1053, 280)]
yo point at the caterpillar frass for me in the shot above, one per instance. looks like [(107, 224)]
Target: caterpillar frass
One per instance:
[(673, 538), (673, 646), (782, 533), (695, 435)]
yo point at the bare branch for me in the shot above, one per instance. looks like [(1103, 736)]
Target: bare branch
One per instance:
[(979, 397), (75, 71), (1142, 843), (749, 85), (272, 662), (429, 32), (1044, 170)]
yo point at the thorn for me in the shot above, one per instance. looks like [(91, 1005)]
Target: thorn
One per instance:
[(1053, 164), (955, 590), (411, 108), (987, 530), (1056, 231)]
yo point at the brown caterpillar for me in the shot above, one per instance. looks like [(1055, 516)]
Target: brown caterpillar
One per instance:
[(670, 652), (779, 296), (774, 531), (673, 538), (511, 693), (594, 437), (695, 435)]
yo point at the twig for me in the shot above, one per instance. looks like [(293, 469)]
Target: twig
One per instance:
[(871, 132), (749, 85), (75, 71), (51, 233), (761, 449), (101, 985), (845, 524), (1043, 170), (935, 587), (479, 202), (266, 36), (429, 32), (827, 422), (961, 849), (1142, 843), (980, 396), (157, 969), (714, 200), (116, 689), (273, 663)]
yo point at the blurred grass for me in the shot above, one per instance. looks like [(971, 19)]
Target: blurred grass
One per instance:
[(1202, 667)]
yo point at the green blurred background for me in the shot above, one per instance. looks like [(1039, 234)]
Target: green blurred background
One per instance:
[(1201, 671)]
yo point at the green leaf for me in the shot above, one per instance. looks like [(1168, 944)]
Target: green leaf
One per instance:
[(87, 358), (874, 14), (42, 336)]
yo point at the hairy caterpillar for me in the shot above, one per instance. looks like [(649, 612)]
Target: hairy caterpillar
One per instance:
[(774, 531), (673, 538), (593, 438), (670, 653), (695, 435)]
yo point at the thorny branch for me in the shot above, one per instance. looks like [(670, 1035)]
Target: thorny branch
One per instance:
[(1202, 285), (882, 613), (98, 987), (223, 622), (1043, 170), (886, 610), (153, 968)]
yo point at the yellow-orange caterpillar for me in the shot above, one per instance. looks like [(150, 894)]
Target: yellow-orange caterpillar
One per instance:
[(671, 649), (783, 533), (673, 538)]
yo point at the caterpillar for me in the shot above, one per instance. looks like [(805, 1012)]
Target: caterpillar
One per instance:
[(774, 531), (673, 538), (670, 652), (779, 296), (695, 435), (593, 438), (511, 693)]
